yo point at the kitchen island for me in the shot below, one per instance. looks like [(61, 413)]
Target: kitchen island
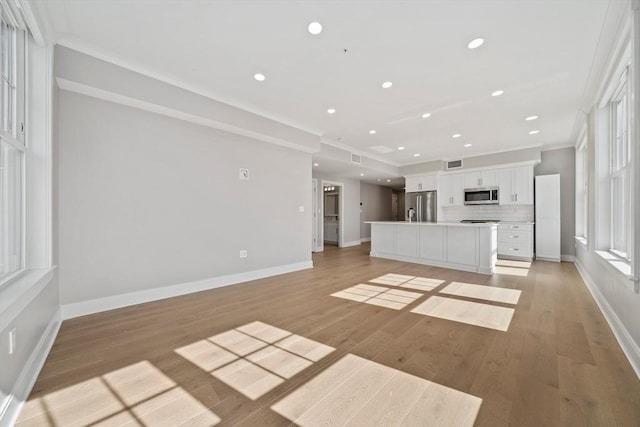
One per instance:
[(467, 247)]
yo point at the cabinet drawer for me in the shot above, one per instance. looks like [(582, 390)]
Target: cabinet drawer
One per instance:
[(515, 249), (515, 236), (515, 227)]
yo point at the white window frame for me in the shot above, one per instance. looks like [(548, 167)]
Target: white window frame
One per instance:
[(582, 189), (619, 173), (14, 139)]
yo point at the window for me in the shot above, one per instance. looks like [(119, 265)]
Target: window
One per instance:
[(582, 190), (620, 172), (12, 149)]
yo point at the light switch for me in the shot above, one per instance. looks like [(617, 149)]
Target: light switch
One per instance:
[(300, 208)]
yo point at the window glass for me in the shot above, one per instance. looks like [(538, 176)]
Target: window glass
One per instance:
[(11, 194), (12, 152), (7, 76), (620, 174)]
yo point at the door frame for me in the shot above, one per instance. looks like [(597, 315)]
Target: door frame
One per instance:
[(340, 212), (315, 239)]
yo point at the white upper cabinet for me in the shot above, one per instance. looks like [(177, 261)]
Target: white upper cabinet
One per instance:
[(516, 185), (481, 179), (451, 190), (421, 183)]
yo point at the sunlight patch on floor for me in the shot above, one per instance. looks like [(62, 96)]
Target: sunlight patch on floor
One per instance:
[(411, 282), (254, 358), (358, 392), (489, 293), (138, 394), (378, 295), (472, 313), (511, 271), (512, 268)]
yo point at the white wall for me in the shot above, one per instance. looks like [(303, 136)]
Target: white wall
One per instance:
[(613, 291), (563, 162), (375, 206), (29, 304), (148, 201)]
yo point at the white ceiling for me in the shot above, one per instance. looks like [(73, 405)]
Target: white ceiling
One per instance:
[(539, 52)]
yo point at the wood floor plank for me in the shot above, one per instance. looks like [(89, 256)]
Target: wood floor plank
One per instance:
[(558, 363), (582, 401)]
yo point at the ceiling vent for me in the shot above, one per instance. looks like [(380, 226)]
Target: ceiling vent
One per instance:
[(355, 158), (454, 164)]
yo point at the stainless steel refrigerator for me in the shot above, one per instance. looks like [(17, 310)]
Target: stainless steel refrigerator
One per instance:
[(421, 206)]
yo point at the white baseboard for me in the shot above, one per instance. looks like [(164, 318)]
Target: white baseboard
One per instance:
[(629, 346), (10, 408), (365, 239), (348, 244), (69, 311), (567, 258)]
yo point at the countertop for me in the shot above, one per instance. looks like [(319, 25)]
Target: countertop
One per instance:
[(516, 222), (435, 224)]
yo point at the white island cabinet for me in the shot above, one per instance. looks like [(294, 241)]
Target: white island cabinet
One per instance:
[(467, 247)]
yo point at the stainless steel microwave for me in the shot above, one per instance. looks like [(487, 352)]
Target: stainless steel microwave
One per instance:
[(481, 196)]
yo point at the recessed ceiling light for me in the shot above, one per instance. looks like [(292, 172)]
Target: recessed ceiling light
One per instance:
[(456, 135), (387, 85), (361, 174), (533, 132), (372, 132), (416, 155), (497, 93), (531, 118), (331, 110), (388, 180), (475, 43), (467, 145), (426, 115), (316, 164), (259, 77), (315, 28), (379, 179), (400, 148)]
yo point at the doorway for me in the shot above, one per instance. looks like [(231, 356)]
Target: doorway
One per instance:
[(331, 215), (332, 207), (394, 206)]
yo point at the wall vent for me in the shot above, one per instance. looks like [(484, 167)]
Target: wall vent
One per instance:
[(454, 164), (356, 159)]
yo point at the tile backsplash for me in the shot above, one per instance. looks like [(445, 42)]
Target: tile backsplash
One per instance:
[(502, 213)]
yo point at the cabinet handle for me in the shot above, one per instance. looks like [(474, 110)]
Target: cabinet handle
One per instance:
[(514, 249), (515, 237), (516, 197)]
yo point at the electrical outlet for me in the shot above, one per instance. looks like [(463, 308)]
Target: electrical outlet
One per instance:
[(244, 173), (12, 341), (243, 253)]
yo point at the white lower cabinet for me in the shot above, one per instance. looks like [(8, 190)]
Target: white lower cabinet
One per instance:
[(433, 243), (461, 245), (466, 247), (406, 241), (515, 241)]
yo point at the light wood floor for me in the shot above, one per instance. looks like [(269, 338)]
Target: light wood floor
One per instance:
[(283, 349)]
